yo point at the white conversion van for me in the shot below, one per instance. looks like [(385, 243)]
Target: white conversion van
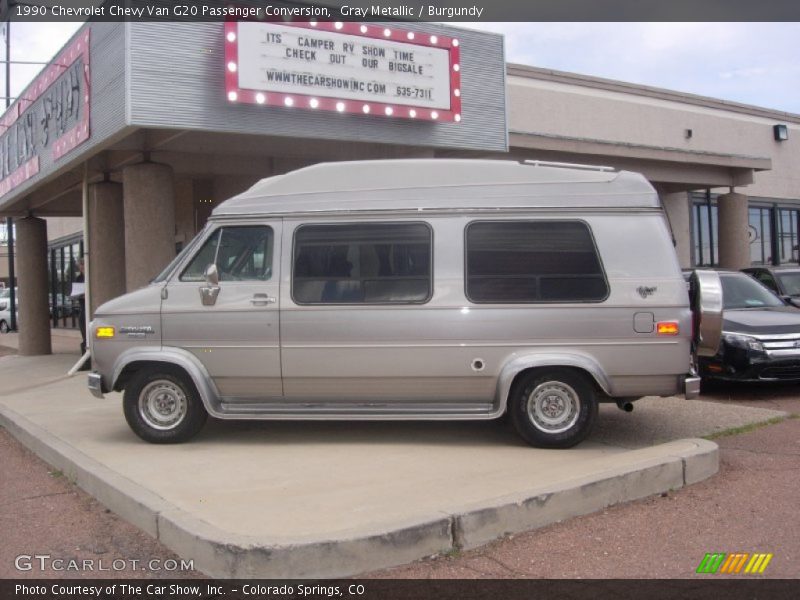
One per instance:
[(413, 289)]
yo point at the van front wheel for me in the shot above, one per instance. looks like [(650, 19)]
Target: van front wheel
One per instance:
[(162, 406), (554, 408)]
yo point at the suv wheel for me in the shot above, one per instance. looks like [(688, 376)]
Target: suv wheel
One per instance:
[(162, 406), (553, 408), (4, 328)]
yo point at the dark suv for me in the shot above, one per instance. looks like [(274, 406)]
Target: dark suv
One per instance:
[(760, 334), (784, 281)]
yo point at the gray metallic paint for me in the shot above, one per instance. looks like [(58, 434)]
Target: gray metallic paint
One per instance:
[(416, 361)]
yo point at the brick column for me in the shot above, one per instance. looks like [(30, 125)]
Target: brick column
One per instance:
[(734, 243), (149, 200), (34, 314)]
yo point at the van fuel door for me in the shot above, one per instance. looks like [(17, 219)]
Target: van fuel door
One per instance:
[(644, 322)]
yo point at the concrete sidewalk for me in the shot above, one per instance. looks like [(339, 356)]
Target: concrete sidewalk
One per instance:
[(64, 341), (284, 499)]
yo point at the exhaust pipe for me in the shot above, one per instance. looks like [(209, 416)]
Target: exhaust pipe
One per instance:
[(625, 405)]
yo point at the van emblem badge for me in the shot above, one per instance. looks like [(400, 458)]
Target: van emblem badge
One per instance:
[(136, 331), (644, 291)]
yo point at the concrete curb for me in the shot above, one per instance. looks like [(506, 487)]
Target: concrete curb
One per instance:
[(219, 553)]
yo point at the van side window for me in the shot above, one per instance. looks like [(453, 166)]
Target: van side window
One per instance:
[(533, 261), (370, 263), (240, 253)]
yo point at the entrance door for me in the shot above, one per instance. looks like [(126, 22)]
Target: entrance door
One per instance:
[(235, 331)]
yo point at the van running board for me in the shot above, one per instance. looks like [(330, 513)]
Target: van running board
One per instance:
[(355, 411)]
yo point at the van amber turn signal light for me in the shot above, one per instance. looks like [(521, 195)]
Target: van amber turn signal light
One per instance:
[(104, 332), (667, 328)]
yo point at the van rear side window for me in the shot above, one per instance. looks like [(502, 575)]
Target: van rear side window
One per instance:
[(370, 263), (533, 261)]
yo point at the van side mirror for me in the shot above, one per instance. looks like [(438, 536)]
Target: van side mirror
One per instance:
[(210, 291), (212, 275)]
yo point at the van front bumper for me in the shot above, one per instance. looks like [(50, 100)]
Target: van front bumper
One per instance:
[(96, 384), (691, 387)]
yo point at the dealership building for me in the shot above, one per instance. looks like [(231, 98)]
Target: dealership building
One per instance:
[(124, 144)]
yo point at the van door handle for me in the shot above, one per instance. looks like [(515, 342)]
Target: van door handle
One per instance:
[(262, 299)]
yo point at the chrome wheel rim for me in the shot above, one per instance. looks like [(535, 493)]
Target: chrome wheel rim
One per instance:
[(553, 407), (162, 404)]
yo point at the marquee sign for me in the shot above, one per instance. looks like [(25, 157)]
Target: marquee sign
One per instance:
[(344, 67), (51, 115)]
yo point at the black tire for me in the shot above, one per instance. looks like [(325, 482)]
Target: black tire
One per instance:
[(162, 406), (568, 394), (4, 328)]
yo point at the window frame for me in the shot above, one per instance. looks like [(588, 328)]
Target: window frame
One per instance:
[(425, 300), (181, 269), (537, 302)]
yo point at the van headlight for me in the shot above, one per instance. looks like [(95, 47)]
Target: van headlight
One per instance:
[(738, 340)]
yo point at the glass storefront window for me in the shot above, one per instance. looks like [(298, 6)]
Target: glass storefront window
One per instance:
[(63, 270), (760, 234), (706, 252), (787, 235)]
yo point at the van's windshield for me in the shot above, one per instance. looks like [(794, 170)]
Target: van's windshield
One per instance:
[(178, 259)]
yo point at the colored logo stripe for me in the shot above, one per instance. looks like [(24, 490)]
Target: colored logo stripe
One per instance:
[(734, 563), (711, 562), (758, 563)]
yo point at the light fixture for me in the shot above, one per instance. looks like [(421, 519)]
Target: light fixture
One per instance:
[(781, 132)]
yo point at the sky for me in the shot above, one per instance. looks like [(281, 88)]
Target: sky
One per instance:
[(752, 63)]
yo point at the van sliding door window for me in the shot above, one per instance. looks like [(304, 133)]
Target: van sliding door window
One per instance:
[(369, 263), (240, 253), (533, 261)]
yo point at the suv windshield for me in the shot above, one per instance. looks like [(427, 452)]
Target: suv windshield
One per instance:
[(742, 291)]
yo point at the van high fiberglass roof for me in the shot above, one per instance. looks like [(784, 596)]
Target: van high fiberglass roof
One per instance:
[(439, 185)]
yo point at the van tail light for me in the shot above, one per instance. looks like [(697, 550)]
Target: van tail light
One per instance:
[(667, 328)]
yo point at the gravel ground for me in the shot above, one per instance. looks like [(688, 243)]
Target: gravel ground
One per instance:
[(750, 506)]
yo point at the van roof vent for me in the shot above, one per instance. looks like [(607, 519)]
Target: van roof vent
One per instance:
[(561, 165)]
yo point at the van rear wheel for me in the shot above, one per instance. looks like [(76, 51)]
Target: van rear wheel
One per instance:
[(553, 408), (4, 328), (162, 406)]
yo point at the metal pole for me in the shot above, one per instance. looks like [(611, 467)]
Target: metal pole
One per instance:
[(12, 298), (87, 261), (8, 62), (12, 277)]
